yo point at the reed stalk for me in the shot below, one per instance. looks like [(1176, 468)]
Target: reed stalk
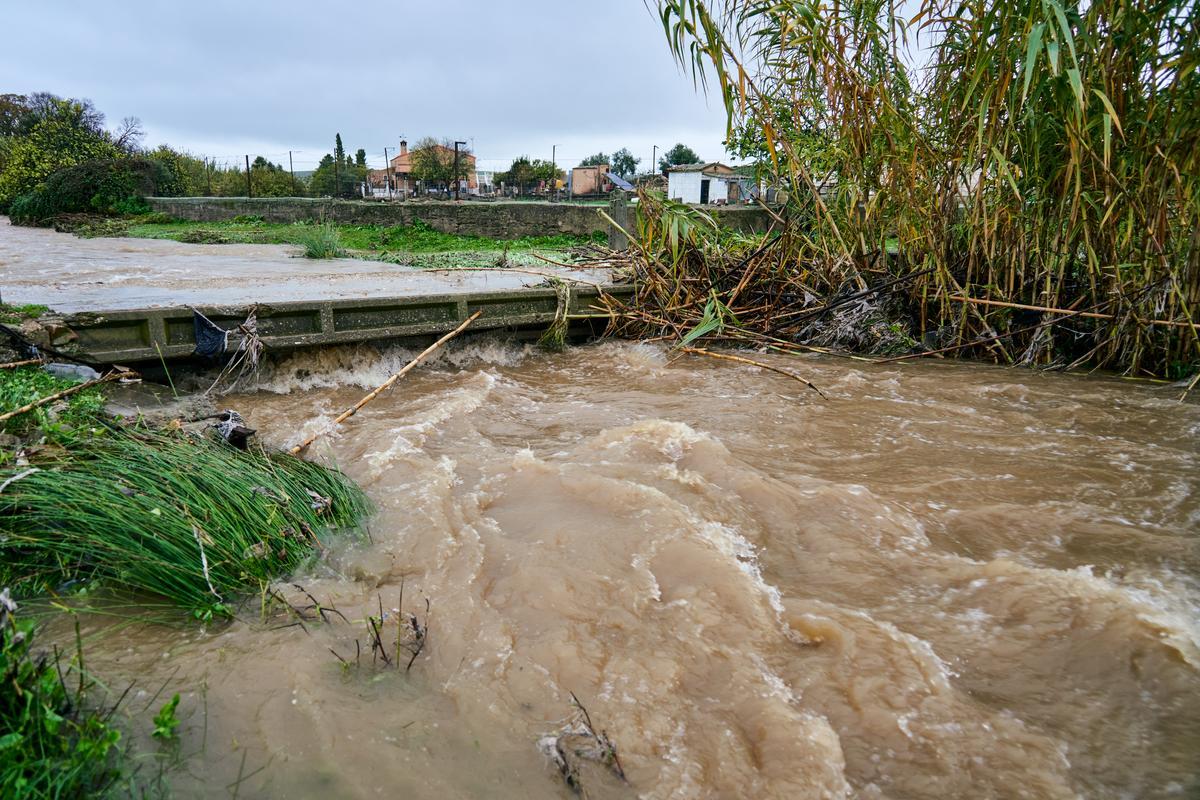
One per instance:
[(1032, 153)]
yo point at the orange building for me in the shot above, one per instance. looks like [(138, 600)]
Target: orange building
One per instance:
[(401, 164)]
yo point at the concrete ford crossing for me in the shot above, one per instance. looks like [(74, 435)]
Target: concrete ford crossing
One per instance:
[(132, 335)]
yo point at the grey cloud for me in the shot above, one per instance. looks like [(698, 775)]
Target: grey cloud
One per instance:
[(516, 77)]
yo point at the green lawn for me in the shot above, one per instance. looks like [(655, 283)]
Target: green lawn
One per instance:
[(363, 240)]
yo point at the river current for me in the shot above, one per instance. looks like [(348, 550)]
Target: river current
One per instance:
[(945, 580)]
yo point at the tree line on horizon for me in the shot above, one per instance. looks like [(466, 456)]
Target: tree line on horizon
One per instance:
[(58, 156)]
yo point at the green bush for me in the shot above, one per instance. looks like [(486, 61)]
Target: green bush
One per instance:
[(156, 218), (31, 209), (131, 205), (103, 186)]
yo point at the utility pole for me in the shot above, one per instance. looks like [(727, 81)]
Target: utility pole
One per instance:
[(554, 169), (208, 168), (337, 181), (249, 191), (291, 171), (456, 192), (654, 160), (387, 173)]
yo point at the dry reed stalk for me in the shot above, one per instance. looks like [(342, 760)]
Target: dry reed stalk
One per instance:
[(27, 362), (1033, 154), (742, 360), (345, 415), (1047, 310)]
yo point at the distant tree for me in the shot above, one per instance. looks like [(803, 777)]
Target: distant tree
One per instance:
[(270, 180), (336, 175), (321, 183), (525, 174), (13, 108), (433, 162), (360, 158), (54, 133), (815, 148), (679, 154), (129, 135), (623, 163), (191, 174), (598, 160), (43, 104)]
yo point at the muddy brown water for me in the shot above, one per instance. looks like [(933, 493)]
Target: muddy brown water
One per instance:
[(946, 580)]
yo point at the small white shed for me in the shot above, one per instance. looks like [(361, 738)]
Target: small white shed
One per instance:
[(701, 184)]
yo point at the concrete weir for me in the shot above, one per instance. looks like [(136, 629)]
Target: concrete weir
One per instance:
[(128, 336)]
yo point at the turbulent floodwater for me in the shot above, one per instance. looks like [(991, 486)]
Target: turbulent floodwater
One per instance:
[(944, 581)]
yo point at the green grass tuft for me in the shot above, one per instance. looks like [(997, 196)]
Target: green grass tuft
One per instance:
[(12, 315), (184, 517), (322, 241)]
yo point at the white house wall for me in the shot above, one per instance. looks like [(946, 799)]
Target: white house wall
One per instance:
[(684, 186)]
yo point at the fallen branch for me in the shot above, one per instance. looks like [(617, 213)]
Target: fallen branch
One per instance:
[(576, 740), (25, 363), (350, 412), (727, 357), (112, 376)]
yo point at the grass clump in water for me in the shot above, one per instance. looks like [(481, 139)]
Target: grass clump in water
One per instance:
[(185, 517), (51, 745), (322, 241)]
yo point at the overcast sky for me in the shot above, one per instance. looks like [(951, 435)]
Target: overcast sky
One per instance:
[(222, 79)]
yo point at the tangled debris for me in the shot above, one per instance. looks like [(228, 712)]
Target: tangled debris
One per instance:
[(576, 741)]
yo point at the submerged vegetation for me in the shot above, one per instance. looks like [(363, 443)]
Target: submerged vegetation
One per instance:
[(185, 516), (1027, 190), (52, 745)]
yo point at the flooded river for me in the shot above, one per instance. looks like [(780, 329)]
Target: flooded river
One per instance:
[(945, 580)]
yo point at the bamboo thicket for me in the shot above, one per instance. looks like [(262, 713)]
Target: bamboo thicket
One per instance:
[(1028, 153)]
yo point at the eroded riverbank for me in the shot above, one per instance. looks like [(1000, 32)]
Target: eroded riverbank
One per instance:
[(946, 580)]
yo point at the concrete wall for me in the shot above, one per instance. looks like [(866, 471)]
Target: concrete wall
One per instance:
[(495, 220), (498, 220)]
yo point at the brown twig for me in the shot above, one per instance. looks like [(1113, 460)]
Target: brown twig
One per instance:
[(728, 357), (345, 415)]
